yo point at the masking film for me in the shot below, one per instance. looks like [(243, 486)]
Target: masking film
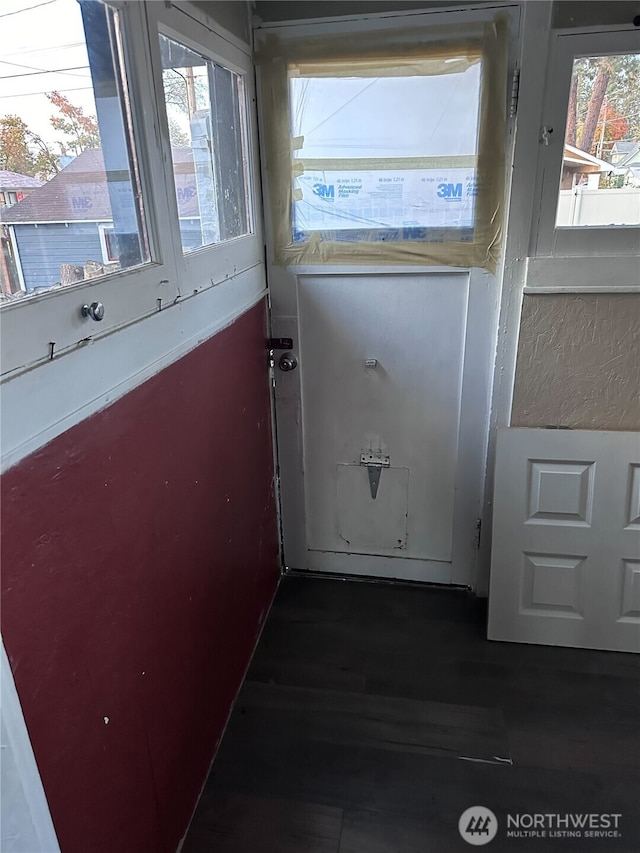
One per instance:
[(388, 149)]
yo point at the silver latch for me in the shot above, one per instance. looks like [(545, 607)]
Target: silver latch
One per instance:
[(374, 461)]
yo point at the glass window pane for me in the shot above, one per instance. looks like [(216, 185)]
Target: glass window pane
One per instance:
[(386, 157), (67, 160), (206, 112), (600, 183)]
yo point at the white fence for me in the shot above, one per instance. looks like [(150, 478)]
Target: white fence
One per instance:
[(599, 207)]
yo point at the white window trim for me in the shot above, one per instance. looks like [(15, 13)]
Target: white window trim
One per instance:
[(104, 246), (24, 807), (44, 327), (547, 241), (239, 253)]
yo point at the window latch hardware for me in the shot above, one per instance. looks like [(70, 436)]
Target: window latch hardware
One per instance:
[(95, 311)]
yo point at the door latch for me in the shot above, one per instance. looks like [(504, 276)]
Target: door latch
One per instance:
[(374, 461), (279, 343)]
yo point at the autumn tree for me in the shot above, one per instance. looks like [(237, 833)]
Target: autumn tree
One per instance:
[(23, 151), (604, 102), (15, 155), (81, 131)]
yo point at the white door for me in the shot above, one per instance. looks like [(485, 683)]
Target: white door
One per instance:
[(382, 424), (566, 539)]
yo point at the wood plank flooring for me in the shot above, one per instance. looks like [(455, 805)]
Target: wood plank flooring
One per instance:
[(373, 715)]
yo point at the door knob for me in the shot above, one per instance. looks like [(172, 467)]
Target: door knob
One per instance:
[(95, 311), (287, 362)]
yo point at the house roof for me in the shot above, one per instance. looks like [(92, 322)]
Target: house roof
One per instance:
[(631, 155), (80, 193), (625, 146), (15, 181), (577, 159)]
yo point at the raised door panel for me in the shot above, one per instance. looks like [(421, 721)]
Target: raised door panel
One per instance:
[(381, 361), (566, 540)]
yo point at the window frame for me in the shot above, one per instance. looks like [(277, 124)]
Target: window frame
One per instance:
[(44, 326), (546, 239), (239, 253), (489, 32)]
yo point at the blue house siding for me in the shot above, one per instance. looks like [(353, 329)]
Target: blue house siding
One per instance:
[(191, 233), (43, 248)]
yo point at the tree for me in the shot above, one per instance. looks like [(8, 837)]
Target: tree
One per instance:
[(572, 115), (596, 100), (177, 136), (604, 90), (15, 154), (81, 131), (23, 151)]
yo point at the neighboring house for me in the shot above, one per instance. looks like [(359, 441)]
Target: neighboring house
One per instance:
[(625, 154), (632, 177), (68, 220), (14, 188), (577, 163)]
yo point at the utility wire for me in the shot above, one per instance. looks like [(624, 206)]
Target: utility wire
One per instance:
[(35, 68), (51, 71), (28, 9), (49, 49), (31, 94)]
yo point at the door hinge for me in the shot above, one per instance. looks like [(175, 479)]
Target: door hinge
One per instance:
[(515, 92), (478, 532)]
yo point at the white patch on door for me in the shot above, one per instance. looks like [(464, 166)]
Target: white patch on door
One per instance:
[(368, 526)]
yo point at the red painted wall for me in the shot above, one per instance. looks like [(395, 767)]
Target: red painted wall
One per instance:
[(139, 557)]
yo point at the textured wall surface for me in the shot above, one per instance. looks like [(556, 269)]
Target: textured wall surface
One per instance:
[(139, 558), (579, 362)]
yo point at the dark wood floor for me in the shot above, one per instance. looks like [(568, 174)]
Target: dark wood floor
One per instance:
[(373, 715)]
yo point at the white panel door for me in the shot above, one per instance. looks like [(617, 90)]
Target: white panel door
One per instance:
[(422, 404), (394, 357), (566, 539)]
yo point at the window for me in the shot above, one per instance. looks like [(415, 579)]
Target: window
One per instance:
[(206, 113), (600, 180), (97, 220), (388, 148), (109, 244), (386, 156), (588, 180), (67, 133)]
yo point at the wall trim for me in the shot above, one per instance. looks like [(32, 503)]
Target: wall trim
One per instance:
[(24, 804), (41, 404), (599, 274), (603, 288)]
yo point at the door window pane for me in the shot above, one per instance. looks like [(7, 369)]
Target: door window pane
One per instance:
[(67, 160), (206, 112), (388, 157), (600, 183)]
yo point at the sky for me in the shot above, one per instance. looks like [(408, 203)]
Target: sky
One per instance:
[(47, 38)]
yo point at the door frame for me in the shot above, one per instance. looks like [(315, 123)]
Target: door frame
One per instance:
[(485, 293)]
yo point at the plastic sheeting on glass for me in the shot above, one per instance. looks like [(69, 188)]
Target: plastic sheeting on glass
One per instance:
[(386, 157)]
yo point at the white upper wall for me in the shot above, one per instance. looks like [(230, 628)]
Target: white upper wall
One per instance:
[(566, 13), (233, 15)]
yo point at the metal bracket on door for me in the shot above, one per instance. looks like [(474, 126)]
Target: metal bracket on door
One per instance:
[(374, 463), (279, 343)]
